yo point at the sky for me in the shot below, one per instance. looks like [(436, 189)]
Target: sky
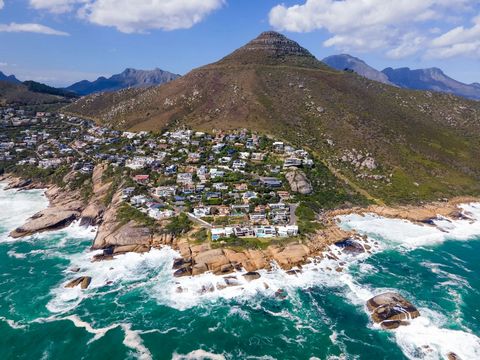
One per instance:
[(59, 42)]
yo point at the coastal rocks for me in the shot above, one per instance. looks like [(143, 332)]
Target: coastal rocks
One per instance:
[(291, 255), (251, 275), (123, 249), (350, 246), (92, 215), (18, 183), (127, 234), (213, 260), (453, 356), (83, 281), (184, 271), (49, 219), (299, 182), (112, 251), (391, 310), (255, 259)]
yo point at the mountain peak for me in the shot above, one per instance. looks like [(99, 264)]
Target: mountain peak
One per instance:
[(271, 47), (11, 78)]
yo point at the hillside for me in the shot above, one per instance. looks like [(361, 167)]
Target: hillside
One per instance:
[(396, 145), (130, 78), (21, 94), (432, 79), (348, 62), (45, 89)]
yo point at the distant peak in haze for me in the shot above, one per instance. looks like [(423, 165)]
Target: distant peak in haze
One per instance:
[(128, 78), (11, 78), (433, 79), (348, 62)]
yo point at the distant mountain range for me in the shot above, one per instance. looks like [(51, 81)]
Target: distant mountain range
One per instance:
[(347, 62), (13, 90), (130, 78), (432, 79)]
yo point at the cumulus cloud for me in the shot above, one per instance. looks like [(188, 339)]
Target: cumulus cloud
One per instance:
[(55, 6), (460, 41), (129, 17), (135, 16), (363, 25), (30, 28)]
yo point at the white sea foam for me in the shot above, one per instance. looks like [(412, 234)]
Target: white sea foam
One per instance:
[(130, 270), (99, 333), (424, 339), (17, 207), (13, 254), (427, 336), (412, 235), (198, 354), (13, 324), (133, 341)]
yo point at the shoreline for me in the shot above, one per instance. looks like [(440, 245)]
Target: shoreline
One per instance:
[(210, 257), (275, 283)]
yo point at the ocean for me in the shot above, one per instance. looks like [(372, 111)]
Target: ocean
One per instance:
[(135, 309)]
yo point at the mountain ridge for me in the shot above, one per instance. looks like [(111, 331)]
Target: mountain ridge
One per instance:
[(433, 79), (128, 78), (349, 62), (430, 79), (9, 78)]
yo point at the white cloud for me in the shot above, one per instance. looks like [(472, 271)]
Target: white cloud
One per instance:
[(31, 28), (1, 4), (394, 26), (141, 15), (460, 41), (55, 6), (137, 16)]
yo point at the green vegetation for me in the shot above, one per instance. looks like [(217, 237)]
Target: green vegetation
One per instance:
[(178, 225), (201, 235), (238, 243), (128, 213), (306, 218), (45, 89)]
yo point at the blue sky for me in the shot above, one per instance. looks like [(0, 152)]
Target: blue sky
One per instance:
[(62, 41)]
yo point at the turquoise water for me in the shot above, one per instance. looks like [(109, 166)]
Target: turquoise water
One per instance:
[(133, 310)]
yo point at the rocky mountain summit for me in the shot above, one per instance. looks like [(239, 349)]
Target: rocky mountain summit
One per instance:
[(270, 47)]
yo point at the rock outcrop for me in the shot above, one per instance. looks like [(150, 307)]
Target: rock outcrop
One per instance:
[(49, 219), (391, 310), (83, 281), (299, 182)]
